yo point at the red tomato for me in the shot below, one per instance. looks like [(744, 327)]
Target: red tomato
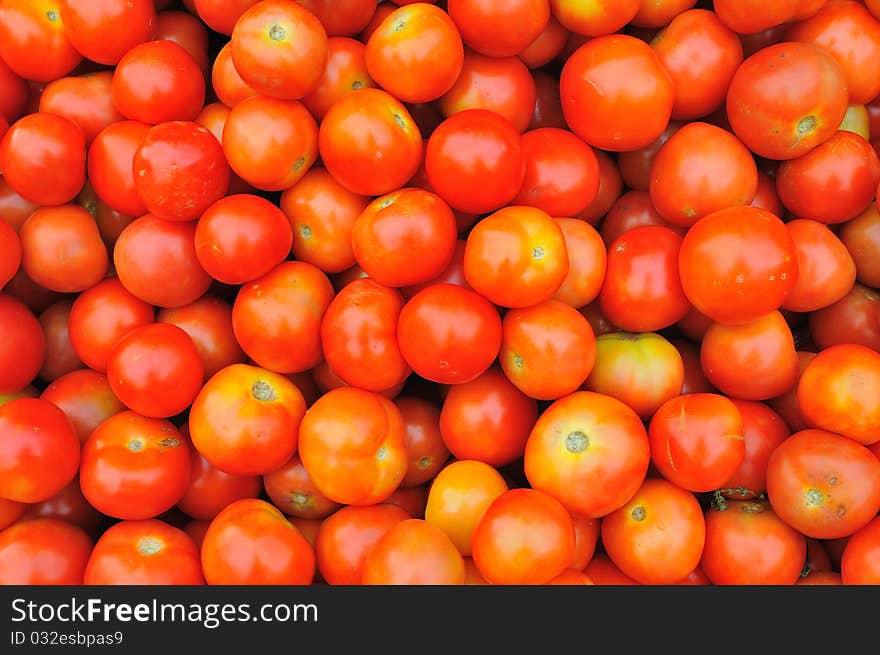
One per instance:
[(694, 379), (860, 564), (787, 404), (14, 94), (763, 430), (548, 106), (29, 28), (660, 12), (602, 571), (23, 347), (826, 271), (854, 319), (449, 334), (861, 236), (548, 45), (413, 552), (10, 253), (292, 490), (211, 490), (68, 505), (104, 30), (478, 20), (60, 356), (631, 210), (346, 71), (345, 19), (187, 31), (86, 398), (221, 15), (228, 86), (616, 95), (86, 100), (43, 551), (587, 261), (766, 197), (598, 18), (635, 165), (751, 16), (110, 166), (144, 553), (14, 210)]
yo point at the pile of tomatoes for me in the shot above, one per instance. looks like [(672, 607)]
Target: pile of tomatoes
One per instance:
[(522, 292)]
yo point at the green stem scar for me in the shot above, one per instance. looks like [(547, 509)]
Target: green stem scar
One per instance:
[(576, 442), (277, 33), (262, 390)]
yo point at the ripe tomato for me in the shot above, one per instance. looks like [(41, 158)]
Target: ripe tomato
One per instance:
[(587, 261), (28, 27), (589, 451), (245, 420), (424, 444), (657, 537), (861, 236), (156, 262), (404, 238), (602, 571), (635, 165), (767, 198), (525, 537), (643, 288), (293, 492), (158, 81), (60, 356), (824, 578), (39, 452), (413, 552), (86, 398), (631, 210), (187, 31), (598, 18), (346, 71), (134, 467), (147, 552), (43, 158), (43, 551), (221, 15), (694, 379), (748, 544), (548, 107), (641, 370), (346, 19), (751, 16), (661, 12), (838, 392), (369, 142), (860, 564), (824, 485), (104, 30), (86, 100), (775, 122), (68, 505), (854, 319), (346, 537), (478, 21), (547, 350), (697, 441), (110, 166), (737, 264), (787, 404), (228, 86), (826, 270), (14, 95), (487, 419), (10, 253), (474, 161), (252, 543), (763, 430), (449, 334), (616, 95), (699, 170), (14, 210)]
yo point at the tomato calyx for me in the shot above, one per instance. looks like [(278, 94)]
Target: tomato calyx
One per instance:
[(149, 546), (277, 32), (52, 15), (576, 442), (721, 496), (639, 513), (136, 445), (263, 391), (806, 126)]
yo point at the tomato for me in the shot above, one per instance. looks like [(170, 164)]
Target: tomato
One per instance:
[(228, 86), (346, 537), (548, 45), (838, 392), (28, 27), (694, 379), (43, 158), (602, 571), (657, 536), (821, 578), (587, 261), (751, 16), (737, 264), (404, 238), (156, 262), (548, 107), (697, 441), (60, 356), (252, 543), (158, 81), (860, 564), (134, 467), (398, 61), (478, 21), (10, 512), (413, 552), (14, 94), (270, 143), (787, 404), (824, 485), (346, 19), (43, 551), (14, 210), (500, 84), (475, 161), (631, 210), (23, 347), (786, 99), (589, 451), (369, 142), (641, 370), (597, 18), (748, 544), (766, 197), (425, 449), (635, 165), (147, 552), (293, 492), (86, 100), (854, 319), (487, 419), (86, 398), (62, 249), (525, 537), (110, 166), (449, 334), (346, 71), (221, 15), (68, 505), (763, 430), (104, 30), (661, 12), (861, 236), (616, 95), (10, 253), (547, 350), (245, 420)]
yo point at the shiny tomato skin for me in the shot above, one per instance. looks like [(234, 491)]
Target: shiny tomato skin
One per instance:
[(14, 93), (228, 86), (43, 551), (478, 20), (149, 552), (28, 27), (23, 348), (602, 571), (854, 319), (414, 552), (60, 356), (221, 15), (861, 236), (14, 210), (587, 263), (635, 165), (341, 19), (210, 490), (110, 166), (763, 430), (69, 505), (86, 398), (186, 31), (104, 30), (752, 16), (631, 210), (826, 270), (860, 563), (291, 489), (84, 99), (597, 18), (346, 71), (425, 449)]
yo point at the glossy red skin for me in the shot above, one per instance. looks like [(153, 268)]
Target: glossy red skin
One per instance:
[(43, 158), (187, 31), (110, 166), (60, 358), (635, 165), (854, 319), (587, 262), (134, 468), (448, 334), (764, 430), (826, 270), (208, 322), (503, 85), (787, 405), (602, 571), (346, 71), (292, 490), (40, 450), (210, 490), (695, 380), (13, 95), (10, 253), (751, 16), (10, 512), (149, 552), (547, 46), (424, 444), (737, 264), (475, 161), (596, 18), (156, 261), (342, 19), (43, 551), (221, 15), (631, 210), (86, 398), (180, 171), (860, 564), (85, 100), (487, 419), (642, 291), (23, 347), (616, 95), (158, 81), (548, 105), (697, 441), (359, 336), (786, 99), (104, 30), (68, 505), (155, 370), (834, 182), (242, 237), (14, 210), (110, 222), (766, 197), (27, 27), (478, 22), (861, 237), (701, 55), (228, 86)]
